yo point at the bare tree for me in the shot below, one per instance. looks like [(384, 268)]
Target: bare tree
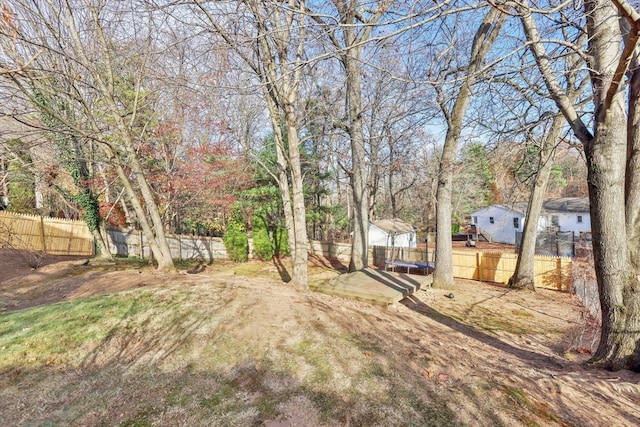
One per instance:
[(271, 43), (395, 116), (523, 276), (355, 26), (69, 52), (485, 36), (613, 167)]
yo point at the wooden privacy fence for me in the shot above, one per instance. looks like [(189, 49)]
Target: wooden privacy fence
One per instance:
[(57, 236), (53, 236), (549, 272)]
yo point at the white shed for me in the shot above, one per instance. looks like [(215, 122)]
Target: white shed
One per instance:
[(392, 233)]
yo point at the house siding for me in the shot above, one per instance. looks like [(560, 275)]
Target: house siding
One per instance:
[(568, 221), (502, 229)]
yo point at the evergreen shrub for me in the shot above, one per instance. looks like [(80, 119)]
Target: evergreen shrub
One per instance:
[(235, 239)]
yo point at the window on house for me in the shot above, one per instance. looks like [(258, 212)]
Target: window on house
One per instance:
[(516, 222), (475, 220), (579, 219), (555, 221), (491, 220)]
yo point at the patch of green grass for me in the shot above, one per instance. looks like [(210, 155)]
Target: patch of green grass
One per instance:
[(316, 356), (253, 269), (221, 351), (176, 396), (236, 395), (378, 370), (220, 397), (112, 264), (268, 406), (499, 323), (539, 409), (362, 345), (36, 336), (122, 263), (63, 333), (184, 264), (141, 418), (494, 321)]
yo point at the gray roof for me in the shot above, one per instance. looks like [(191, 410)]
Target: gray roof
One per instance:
[(566, 204), (393, 226), (520, 207), (559, 205)]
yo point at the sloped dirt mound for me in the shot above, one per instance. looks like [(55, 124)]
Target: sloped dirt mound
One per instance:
[(225, 348)]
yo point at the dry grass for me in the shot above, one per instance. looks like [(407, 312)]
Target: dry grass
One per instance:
[(234, 346)]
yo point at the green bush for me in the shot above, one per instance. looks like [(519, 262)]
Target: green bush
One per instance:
[(262, 246), (236, 241)]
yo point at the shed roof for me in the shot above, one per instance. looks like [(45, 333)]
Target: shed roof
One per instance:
[(393, 225)]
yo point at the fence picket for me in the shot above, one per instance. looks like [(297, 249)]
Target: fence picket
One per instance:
[(53, 236), (71, 237)]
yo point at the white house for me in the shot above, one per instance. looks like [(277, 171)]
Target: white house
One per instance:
[(567, 214), (499, 223), (392, 233)]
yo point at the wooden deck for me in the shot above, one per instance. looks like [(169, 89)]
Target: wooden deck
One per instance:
[(376, 286)]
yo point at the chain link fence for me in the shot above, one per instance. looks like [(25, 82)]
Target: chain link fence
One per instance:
[(552, 243)]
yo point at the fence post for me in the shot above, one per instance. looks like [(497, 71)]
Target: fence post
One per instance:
[(559, 268), (141, 244), (44, 244)]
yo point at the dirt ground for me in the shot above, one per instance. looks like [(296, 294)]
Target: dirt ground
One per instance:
[(469, 349)]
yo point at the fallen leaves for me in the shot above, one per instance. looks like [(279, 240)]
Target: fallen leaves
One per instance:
[(440, 378)]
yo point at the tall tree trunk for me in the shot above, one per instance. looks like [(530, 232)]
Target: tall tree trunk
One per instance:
[(443, 273), (523, 276), (282, 176), (289, 174), (485, 36), (122, 129), (137, 207), (165, 260), (632, 184), (610, 155), (279, 71), (102, 250), (632, 196), (356, 27), (392, 175), (359, 247), (300, 255), (618, 282)]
